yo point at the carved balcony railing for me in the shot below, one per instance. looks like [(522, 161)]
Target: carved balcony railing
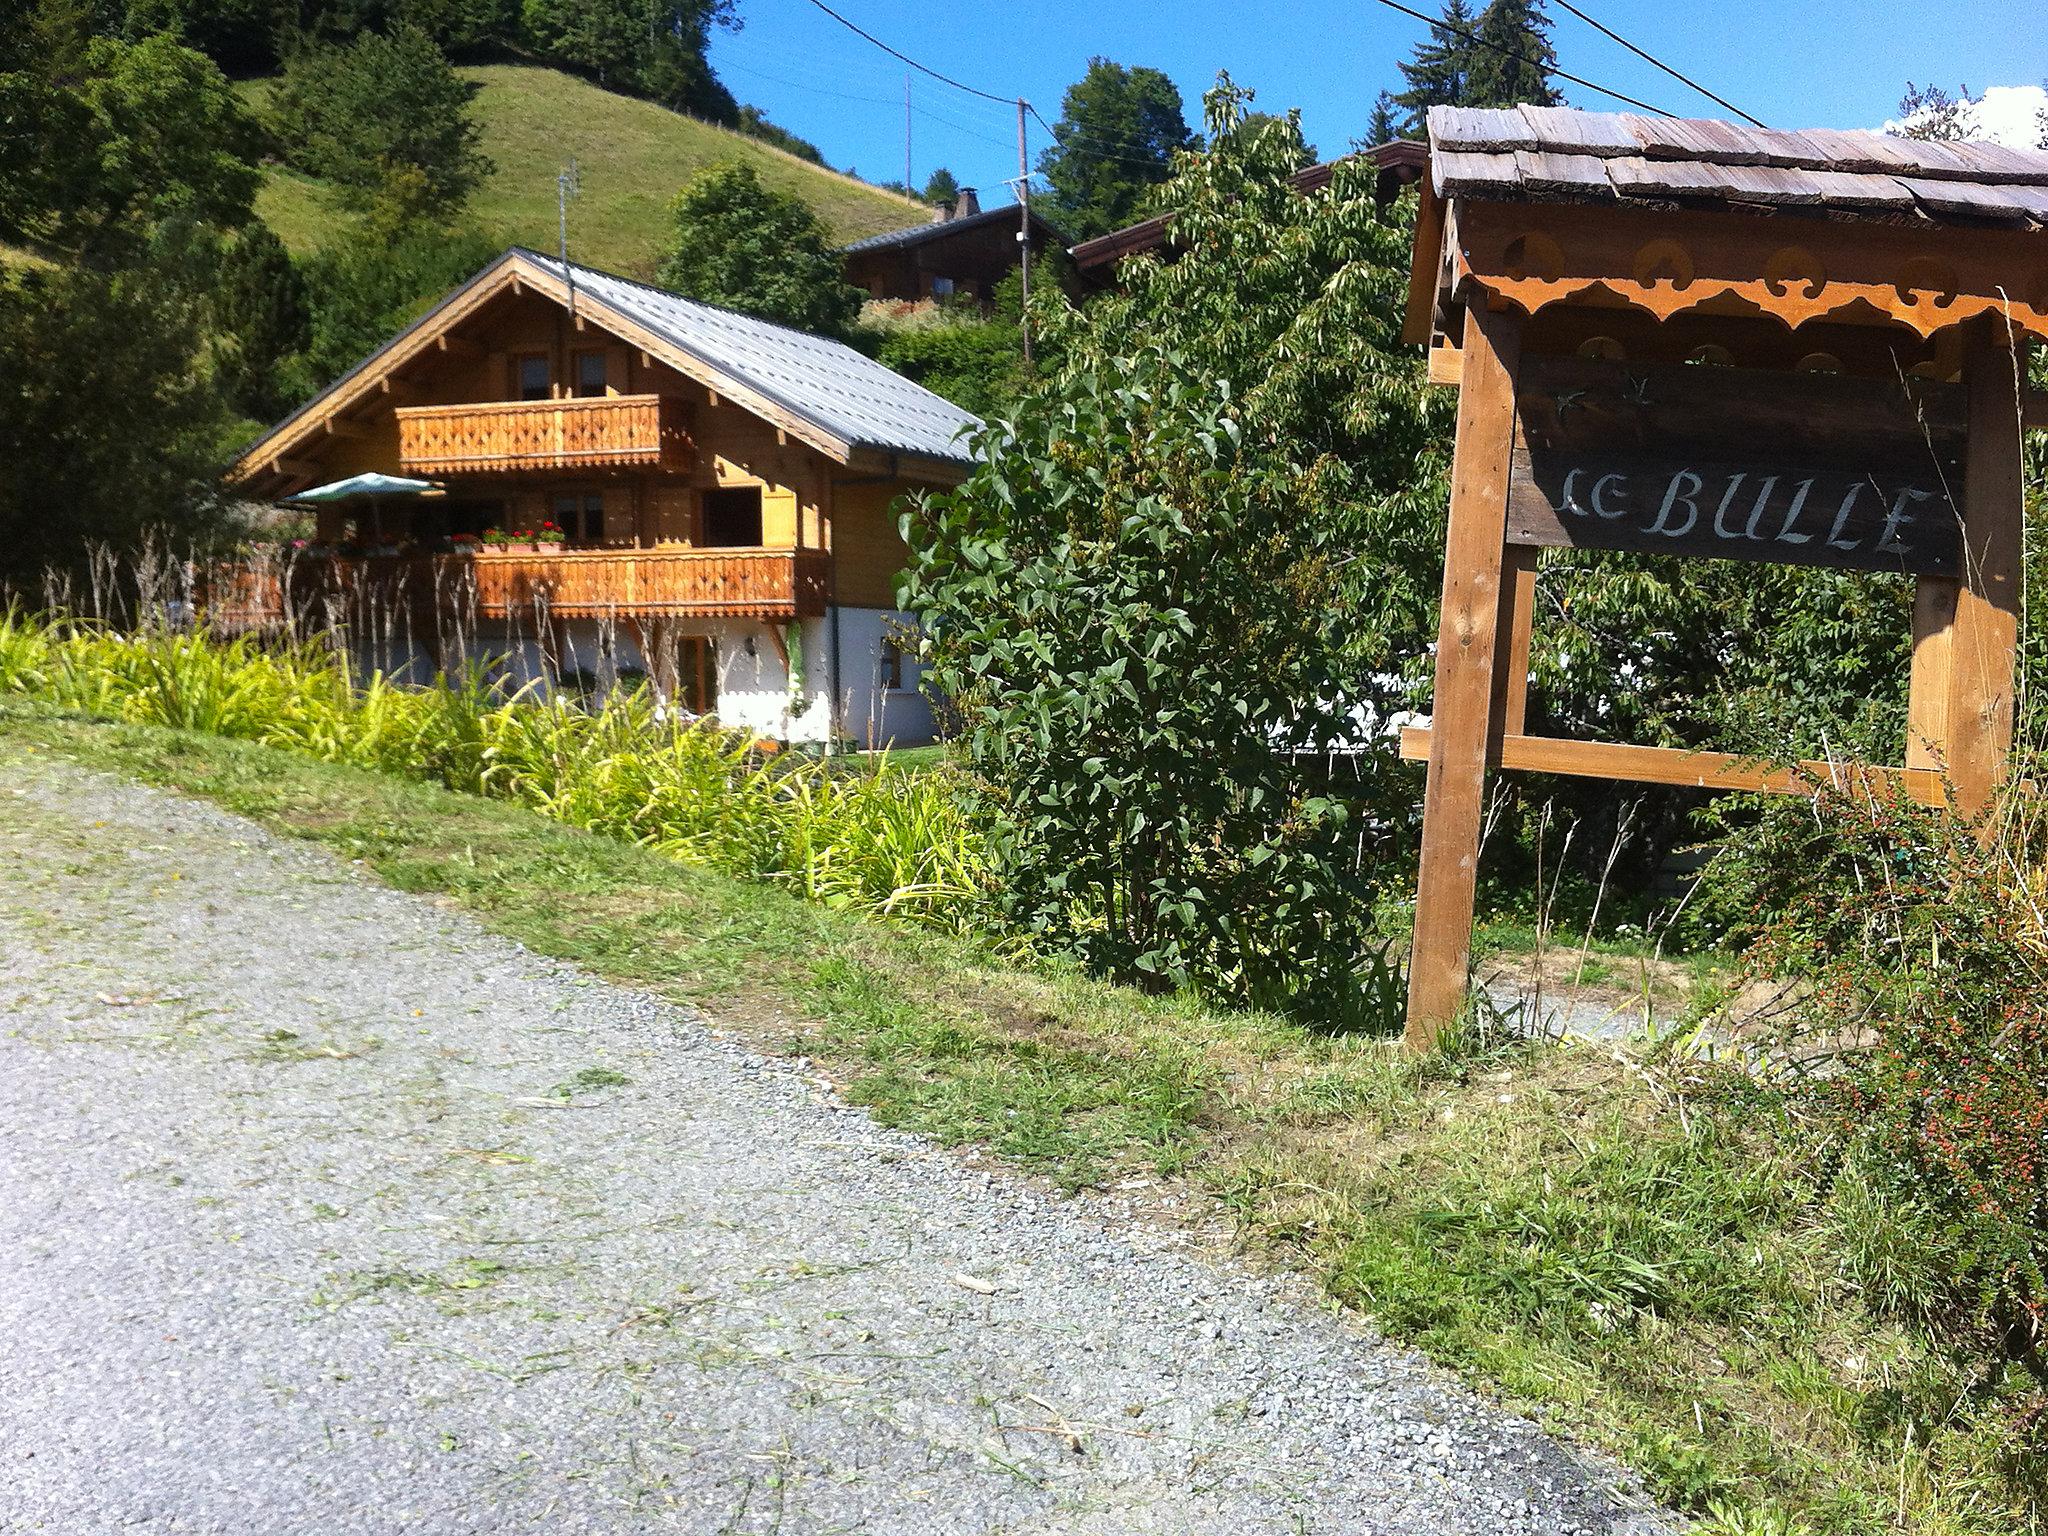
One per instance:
[(712, 583), (314, 591), (603, 432)]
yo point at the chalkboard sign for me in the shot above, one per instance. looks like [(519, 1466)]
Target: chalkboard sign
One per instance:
[(1797, 469)]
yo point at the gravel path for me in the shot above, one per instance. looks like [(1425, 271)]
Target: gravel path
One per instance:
[(322, 1210)]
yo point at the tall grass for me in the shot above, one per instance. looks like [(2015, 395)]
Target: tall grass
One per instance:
[(879, 840)]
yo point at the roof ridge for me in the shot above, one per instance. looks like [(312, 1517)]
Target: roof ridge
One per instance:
[(683, 298)]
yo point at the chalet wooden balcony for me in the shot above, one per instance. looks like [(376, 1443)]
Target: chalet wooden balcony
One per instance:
[(313, 591), (711, 583), (505, 436)]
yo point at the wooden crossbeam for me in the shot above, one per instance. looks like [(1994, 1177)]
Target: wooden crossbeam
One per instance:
[(1690, 769)]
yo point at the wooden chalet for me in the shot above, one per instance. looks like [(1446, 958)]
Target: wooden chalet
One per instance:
[(964, 251), (723, 492), (1397, 164)]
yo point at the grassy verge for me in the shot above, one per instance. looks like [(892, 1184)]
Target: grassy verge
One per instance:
[(1540, 1218)]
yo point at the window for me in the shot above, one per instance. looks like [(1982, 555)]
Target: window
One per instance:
[(534, 383), (732, 516), (591, 376), (942, 287), (580, 516), (889, 674)]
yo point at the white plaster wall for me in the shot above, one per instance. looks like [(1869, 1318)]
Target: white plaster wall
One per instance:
[(753, 689), (872, 715)]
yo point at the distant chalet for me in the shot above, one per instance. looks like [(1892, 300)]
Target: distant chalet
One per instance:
[(962, 252)]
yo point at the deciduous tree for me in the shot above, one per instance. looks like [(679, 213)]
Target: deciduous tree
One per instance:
[(1199, 555), (749, 247)]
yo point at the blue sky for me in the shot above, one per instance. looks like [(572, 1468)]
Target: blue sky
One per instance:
[(1793, 63)]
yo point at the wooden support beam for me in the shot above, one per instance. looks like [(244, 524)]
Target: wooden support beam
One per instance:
[(1725, 771), (1453, 802), (1983, 641), (775, 638), (1516, 624), (458, 347), (1446, 365), (1927, 691), (337, 427)]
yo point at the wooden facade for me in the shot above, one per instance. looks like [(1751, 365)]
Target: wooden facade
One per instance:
[(959, 254), (1694, 339), (586, 465)]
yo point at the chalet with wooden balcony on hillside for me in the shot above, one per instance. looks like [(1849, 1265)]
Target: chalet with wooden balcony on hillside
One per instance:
[(590, 477)]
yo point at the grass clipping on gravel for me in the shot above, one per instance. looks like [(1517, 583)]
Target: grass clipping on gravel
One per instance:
[(1538, 1218)]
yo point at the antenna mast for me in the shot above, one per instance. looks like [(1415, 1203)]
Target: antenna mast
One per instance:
[(568, 184)]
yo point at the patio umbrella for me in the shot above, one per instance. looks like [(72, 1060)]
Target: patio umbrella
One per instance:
[(372, 487)]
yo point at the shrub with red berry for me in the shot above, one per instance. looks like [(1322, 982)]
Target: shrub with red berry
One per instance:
[(1912, 944)]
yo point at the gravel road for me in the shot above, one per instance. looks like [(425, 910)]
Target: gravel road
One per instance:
[(323, 1210)]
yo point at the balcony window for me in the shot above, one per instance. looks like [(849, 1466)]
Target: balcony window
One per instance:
[(591, 378), (732, 517), (580, 516), (534, 382)]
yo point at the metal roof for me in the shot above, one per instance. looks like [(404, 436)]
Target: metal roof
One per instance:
[(850, 396), (933, 229), (1560, 153)]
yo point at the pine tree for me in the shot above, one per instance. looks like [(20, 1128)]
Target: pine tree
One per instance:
[(943, 186), (1437, 74), (1384, 126), (1117, 134), (1515, 66), (261, 305)]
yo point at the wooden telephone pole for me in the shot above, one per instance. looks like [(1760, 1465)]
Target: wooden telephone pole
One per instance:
[(1024, 227)]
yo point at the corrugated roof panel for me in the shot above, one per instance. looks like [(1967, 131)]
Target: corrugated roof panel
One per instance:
[(854, 398)]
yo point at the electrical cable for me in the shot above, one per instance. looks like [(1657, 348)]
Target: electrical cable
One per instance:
[(1439, 24), (1722, 101), (958, 85)]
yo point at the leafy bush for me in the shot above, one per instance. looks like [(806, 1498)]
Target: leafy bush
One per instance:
[(1913, 950), (1934, 984), (748, 247), (1116, 613), (975, 361), (383, 118)]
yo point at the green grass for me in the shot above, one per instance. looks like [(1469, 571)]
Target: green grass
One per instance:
[(633, 157), (1539, 1218)]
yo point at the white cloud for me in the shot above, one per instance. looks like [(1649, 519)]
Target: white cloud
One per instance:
[(2007, 114)]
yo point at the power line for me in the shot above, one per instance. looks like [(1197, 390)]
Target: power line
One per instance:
[(958, 85), (1090, 145), (1652, 58), (1521, 58)]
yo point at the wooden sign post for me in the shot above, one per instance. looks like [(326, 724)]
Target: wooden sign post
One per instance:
[(1690, 339)]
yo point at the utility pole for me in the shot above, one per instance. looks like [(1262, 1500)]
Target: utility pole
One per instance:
[(908, 189), (1024, 229)]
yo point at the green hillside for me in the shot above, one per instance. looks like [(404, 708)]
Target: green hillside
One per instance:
[(634, 156)]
